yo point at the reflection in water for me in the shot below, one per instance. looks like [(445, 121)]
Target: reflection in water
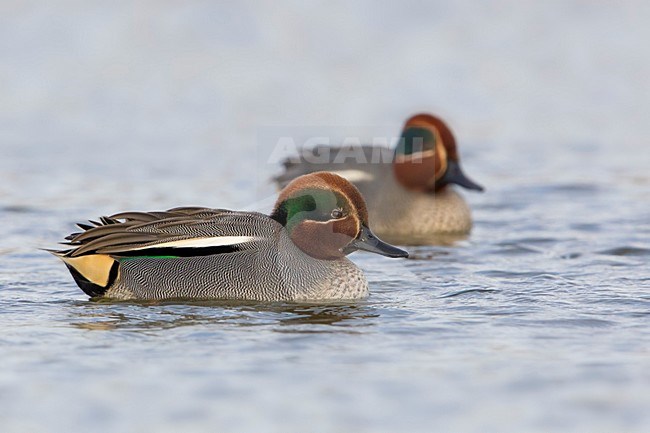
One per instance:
[(445, 240), (329, 315), (425, 253), (468, 292), (626, 251), (106, 315)]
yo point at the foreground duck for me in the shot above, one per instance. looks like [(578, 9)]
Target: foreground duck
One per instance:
[(408, 190), (295, 254)]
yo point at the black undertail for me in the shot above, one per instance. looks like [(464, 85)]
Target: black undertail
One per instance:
[(91, 289)]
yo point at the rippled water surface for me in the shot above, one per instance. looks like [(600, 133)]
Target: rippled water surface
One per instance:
[(539, 321)]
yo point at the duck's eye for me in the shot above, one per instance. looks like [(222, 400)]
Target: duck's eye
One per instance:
[(337, 213)]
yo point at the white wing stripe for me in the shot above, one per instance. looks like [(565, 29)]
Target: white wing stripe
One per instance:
[(355, 175), (201, 242)]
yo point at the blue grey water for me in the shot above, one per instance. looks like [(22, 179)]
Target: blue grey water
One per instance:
[(538, 321)]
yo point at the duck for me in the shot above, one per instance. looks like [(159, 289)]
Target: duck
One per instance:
[(298, 253), (409, 189)]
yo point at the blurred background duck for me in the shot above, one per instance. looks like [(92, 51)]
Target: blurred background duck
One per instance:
[(408, 190)]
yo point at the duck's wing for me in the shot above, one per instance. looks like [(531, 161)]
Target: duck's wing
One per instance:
[(358, 164), (187, 231)]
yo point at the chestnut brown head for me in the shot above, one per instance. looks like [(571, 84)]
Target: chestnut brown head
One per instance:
[(426, 158)]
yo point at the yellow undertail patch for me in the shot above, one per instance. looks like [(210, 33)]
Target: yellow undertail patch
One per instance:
[(95, 268)]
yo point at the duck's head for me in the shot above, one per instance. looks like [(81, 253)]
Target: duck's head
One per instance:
[(426, 158), (326, 217)]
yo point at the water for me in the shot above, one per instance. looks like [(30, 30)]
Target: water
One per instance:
[(539, 321)]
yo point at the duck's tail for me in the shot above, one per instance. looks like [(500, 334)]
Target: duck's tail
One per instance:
[(93, 273)]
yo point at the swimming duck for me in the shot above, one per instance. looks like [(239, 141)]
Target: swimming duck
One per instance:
[(298, 253), (408, 189)]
